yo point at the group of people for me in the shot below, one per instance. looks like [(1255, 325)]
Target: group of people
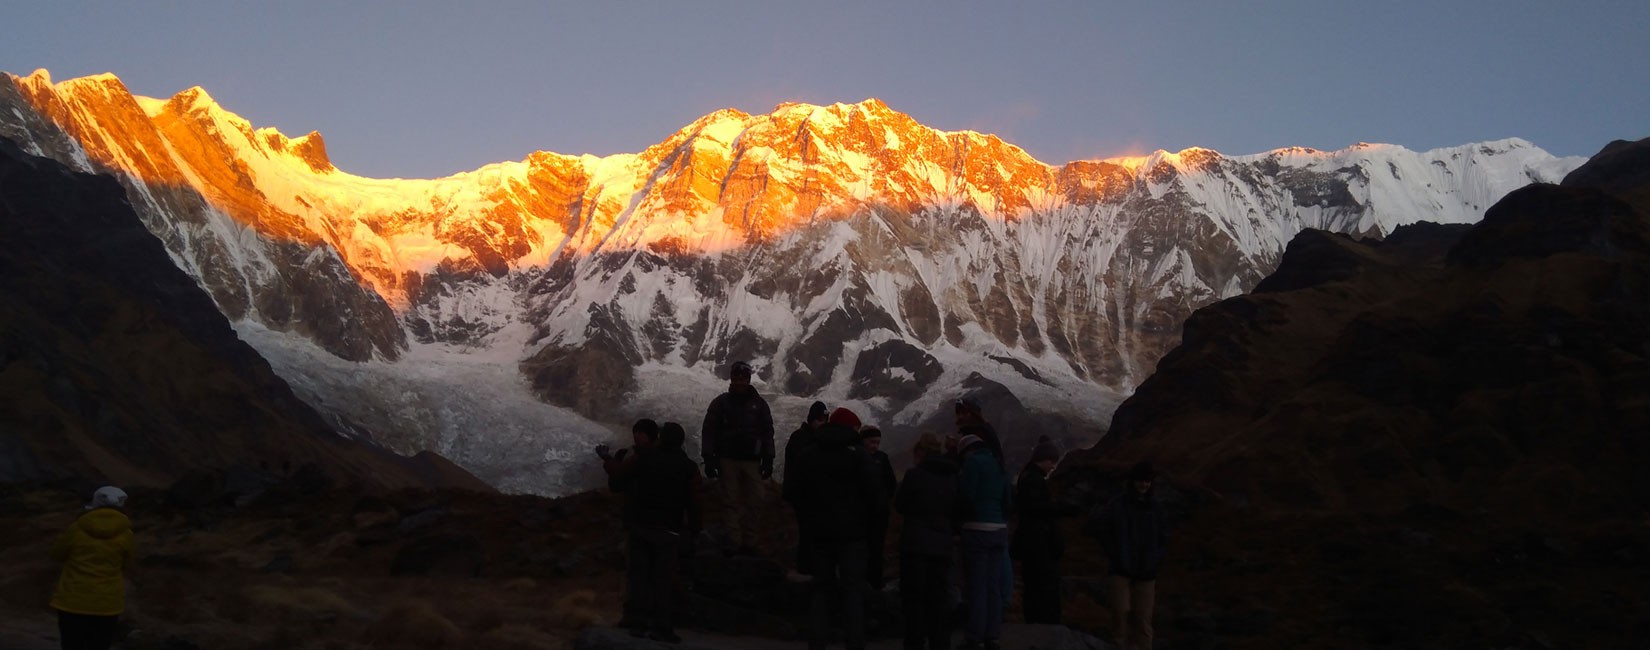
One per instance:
[(956, 501)]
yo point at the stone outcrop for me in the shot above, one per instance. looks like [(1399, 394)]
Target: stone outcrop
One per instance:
[(1443, 431), (115, 366)]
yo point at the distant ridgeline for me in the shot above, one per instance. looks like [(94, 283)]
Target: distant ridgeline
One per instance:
[(850, 253)]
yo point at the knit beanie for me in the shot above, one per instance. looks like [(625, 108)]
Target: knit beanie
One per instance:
[(845, 417), (818, 412), (1142, 471), (1045, 450), (107, 496)]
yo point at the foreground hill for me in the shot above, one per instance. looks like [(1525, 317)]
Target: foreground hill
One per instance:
[(116, 367), (1433, 440)]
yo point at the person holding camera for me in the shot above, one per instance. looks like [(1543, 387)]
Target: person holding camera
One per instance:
[(643, 435)]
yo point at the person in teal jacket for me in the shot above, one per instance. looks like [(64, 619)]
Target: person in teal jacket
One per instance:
[(986, 505)]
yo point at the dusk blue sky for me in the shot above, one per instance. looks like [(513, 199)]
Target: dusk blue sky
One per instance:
[(423, 89)]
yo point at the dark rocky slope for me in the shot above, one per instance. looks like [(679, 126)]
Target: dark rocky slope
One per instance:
[(1437, 440), (115, 366)]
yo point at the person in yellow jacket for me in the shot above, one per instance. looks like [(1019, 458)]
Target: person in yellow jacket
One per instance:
[(96, 552)]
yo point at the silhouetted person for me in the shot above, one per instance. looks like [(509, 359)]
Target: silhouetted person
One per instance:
[(737, 439), (661, 510), (1037, 541), (839, 490), (927, 501), (799, 444), (643, 434), (986, 499), (876, 537), (96, 552), (968, 414), (1132, 530)]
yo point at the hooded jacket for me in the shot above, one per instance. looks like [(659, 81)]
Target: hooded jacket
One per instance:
[(987, 502), (837, 486), (1133, 531), (927, 500), (799, 444), (95, 553), (1038, 534), (737, 427), (663, 489)]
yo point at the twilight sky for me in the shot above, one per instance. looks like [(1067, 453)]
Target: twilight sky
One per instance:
[(424, 89)]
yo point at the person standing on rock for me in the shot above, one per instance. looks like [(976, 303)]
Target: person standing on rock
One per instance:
[(871, 441), (987, 502), (737, 445), (662, 513), (799, 444), (839, 490), (927, 500), (1134, 533), (96, 553), (1037, 541)]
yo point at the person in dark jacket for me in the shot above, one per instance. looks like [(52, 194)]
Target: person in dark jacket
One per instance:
[(642, 436), (1037, 541), (1132, 530), (618, 466), (927, 500), (737, 439), (661, 509), (838, 489), (799, 444), (987, 504), (871, 440)]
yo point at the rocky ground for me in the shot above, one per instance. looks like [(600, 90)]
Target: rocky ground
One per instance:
[(255, 562)]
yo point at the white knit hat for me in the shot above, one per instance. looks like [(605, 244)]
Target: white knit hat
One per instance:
[(107, 496)]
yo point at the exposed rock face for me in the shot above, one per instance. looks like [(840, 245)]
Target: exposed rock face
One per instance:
[(114, 365), (1481, 410), (814, 241), (194, 190)]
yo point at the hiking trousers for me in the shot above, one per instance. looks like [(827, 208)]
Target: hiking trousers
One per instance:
[(839, 574), (86, 632), (925, 600), (1041, 600), (984, 554), (650, 576), (1131, 605), (741, 494)]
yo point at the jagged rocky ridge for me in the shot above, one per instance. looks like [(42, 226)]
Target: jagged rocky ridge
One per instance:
[(852, 253), (116, 367), (1438, 439)]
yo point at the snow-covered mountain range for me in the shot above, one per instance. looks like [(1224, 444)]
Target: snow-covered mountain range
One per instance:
[(512, 316)]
